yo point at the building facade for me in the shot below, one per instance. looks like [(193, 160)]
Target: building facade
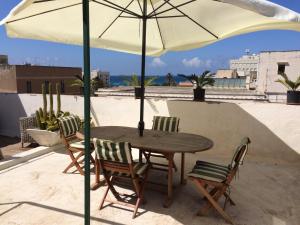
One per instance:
[(271, 64), (103, 76), (29, 78), (247, 65), (225, 73)]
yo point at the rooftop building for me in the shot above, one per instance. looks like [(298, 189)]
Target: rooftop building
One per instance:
[(29, 78), (103, 76), (3, 60)]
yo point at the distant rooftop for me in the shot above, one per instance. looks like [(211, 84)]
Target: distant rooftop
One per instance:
[(282, 51)]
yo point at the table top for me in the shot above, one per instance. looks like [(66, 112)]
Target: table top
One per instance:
[(155, 141)]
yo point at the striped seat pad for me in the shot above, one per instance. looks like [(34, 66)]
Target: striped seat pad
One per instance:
[(113, 151), (69, 125), (209, 171), (77, 144), (163, 123), (138, 169), (240, 152)]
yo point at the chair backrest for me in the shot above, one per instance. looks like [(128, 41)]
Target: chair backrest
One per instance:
[(69, 125), (163, 123), (240, 152), (114, 156)]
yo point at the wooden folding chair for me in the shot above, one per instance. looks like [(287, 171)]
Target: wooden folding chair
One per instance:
[(116, 161), (162, 123), (213, 180), (75, 148)]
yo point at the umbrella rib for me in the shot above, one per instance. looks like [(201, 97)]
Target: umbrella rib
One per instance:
[(165, 17), (161, 38), (172, 8), (41, 13), (42, 1), (118, 9), (154, 10), (175, 7), (122, 8), (100, 36), (140, 6)]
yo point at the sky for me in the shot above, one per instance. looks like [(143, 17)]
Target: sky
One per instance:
[(211, 57)]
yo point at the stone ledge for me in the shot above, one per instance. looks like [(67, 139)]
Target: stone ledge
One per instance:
[(25, 156)]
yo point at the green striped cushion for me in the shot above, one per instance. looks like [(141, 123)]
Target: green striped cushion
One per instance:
[(240, 152), (77, 144), (69, 125), (164, 123), (209, 171), (138, 169), (113, 151)]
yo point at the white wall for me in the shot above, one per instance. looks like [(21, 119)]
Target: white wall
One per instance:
[(268, 68), (273, 128)]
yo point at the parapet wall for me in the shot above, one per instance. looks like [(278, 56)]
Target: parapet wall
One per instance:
[(273, 128)]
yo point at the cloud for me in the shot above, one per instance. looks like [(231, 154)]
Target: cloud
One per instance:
[(157, 62), (196, 62)]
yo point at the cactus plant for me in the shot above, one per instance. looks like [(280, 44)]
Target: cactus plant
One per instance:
[(58, 111), (51, 102), (38, 119), (47, 120), (44, 101)]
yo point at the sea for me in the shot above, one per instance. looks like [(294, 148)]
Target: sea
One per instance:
[(118, 80)]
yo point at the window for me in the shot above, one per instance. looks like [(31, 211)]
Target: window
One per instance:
[(62, 86), (281, 69), (28, 87), (47, 86)]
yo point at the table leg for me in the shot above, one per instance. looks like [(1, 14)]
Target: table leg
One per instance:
[(97, 182), (182, 179), (168, 200)]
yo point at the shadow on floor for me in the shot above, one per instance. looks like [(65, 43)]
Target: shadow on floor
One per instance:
[(19, 204)]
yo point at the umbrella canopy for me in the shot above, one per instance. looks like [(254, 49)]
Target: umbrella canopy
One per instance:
[(172, 25)]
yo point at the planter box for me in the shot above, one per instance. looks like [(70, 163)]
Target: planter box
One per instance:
[(199, 94), (45, 137), (138, 92), (293, 97)]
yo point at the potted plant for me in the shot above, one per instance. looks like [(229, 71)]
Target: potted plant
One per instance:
[(293, 96), (200, 82), (47, 133), (79, 82), (134, 81)]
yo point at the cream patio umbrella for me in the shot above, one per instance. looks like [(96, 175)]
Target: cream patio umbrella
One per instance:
[(146, 27)]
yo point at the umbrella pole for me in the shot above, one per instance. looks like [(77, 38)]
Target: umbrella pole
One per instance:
[(141, 123), (86, 68)]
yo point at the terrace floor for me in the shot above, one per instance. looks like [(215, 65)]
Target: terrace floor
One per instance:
[(37, 192)]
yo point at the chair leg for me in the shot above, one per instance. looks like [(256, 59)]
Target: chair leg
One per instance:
[(230, 200), (137, 204), (111, 187), (139, 190), (74, 162), (213, 202), (93, 160), (104, 197)]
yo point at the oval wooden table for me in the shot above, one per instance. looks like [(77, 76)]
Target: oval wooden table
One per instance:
[(166, 143)]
